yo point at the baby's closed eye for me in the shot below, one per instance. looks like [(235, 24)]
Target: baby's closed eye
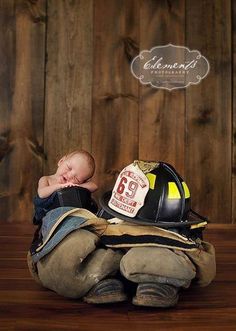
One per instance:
[(76, 180)]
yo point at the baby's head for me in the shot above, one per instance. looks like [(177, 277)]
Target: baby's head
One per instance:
[(76, 167)]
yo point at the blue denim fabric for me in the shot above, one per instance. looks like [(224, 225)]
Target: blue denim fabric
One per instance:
[(42, 206), (69, 224)]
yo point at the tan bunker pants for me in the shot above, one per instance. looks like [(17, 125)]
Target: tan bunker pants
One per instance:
[(77, 263)]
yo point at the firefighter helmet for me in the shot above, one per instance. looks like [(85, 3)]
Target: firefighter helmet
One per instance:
[(150, 193)]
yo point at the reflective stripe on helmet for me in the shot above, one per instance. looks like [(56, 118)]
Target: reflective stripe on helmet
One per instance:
[(173, 192), (152, 179), (186, 190)]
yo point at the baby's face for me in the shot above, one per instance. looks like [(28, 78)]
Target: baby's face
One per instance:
[(74, 169)]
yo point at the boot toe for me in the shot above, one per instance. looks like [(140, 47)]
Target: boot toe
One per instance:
[(106, 291), (156, 295)]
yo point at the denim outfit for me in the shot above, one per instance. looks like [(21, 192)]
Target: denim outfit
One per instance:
[(42, 206), (61, 231)]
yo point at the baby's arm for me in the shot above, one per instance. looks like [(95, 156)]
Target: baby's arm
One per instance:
[(44, 189), (91, 186)]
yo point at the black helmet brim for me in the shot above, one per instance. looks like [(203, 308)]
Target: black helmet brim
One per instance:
[(103, 201)]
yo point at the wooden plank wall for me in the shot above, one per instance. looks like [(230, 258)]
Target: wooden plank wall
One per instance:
[(115, 91), (22, 105), (162, 113), (209, 111), (66, 83)]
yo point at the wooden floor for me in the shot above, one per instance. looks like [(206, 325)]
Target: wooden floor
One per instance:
[(24, 305)]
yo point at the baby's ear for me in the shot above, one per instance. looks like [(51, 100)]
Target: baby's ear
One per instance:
[(61, 160)]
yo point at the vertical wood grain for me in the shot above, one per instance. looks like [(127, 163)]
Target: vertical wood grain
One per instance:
[(7, 69), (115, 90), (21, 95), (92, 101), (68, 79), (162, 112), (233, 8), (208, 115)]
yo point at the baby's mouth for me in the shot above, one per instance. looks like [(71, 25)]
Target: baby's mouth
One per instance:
[(63, 179)]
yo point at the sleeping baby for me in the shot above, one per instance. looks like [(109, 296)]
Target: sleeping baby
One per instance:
[(74, 169)]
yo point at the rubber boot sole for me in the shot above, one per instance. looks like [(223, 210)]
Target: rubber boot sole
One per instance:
[(156, 295), (106, 291)]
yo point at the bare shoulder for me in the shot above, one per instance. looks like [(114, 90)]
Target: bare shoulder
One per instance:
[(44, 181)]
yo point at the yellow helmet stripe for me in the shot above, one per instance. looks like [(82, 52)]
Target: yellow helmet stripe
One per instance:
[(186, 190), (152, 180), (173, 191)]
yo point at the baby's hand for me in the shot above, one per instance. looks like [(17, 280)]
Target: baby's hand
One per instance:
[(69, 184)]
